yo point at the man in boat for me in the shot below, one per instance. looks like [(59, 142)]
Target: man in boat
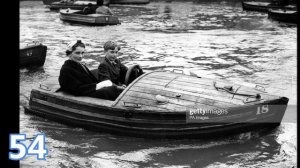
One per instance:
[(102, 9), (90, 9), (75, 78)]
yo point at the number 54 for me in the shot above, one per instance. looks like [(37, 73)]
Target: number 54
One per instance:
[(37, 147)]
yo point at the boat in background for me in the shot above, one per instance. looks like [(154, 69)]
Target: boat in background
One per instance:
[(163, 104), (49, 2), (77, 16), (77, 5), (33, 55), (128, 1), (288, 16), (264, 6)]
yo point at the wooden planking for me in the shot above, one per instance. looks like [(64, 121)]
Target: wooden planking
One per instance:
[(153, 103), (207, 91), (191, 92), (171, 100), (207, 83), (184, 96), (192, 79), (201, 96), (184, 100), (204, 86)]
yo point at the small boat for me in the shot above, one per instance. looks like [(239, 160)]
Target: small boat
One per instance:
[(288, 16), (77, 16), (265, 6), (77, 5), (33, 55), (48, 2), (164, 104), (128, 2)]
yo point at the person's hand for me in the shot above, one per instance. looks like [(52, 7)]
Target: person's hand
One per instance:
[(103, 84), (120, 87)]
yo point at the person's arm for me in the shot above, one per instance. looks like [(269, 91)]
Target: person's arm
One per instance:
[(70, 80), (103, 73), (110, 11)]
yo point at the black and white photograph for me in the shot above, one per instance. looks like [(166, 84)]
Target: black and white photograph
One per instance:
[(157, 84)]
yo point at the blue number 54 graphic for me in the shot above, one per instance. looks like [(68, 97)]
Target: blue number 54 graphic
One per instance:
[(37, 147)]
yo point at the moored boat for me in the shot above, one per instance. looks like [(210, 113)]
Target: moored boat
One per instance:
[(165, 104), (264, 6), (48, 2), (128, 1), (77, 5), (33, 55), (288, 16), (77, 16)]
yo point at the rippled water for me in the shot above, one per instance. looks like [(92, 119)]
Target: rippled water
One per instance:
[(216, 39)]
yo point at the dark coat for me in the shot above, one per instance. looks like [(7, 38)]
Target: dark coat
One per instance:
[(74, 79), (116, 73)]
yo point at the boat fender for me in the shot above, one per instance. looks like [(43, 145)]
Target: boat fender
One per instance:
[(130, 104), (161, 99)]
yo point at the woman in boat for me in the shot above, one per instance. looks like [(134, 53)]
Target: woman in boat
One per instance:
[(102, 9), (75, 78), (111, 68)]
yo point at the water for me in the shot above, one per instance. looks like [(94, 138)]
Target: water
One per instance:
[(216, 39)]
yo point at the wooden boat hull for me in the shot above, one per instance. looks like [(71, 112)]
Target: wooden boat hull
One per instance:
[(264, 6), (92, 19), (288, 16), (34, 55), (158, 120)]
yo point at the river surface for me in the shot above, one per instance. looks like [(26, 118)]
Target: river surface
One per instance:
[(216, 39)]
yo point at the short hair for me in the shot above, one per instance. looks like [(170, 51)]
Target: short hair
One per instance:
[(99, 2), (111, 45), (72, 46)]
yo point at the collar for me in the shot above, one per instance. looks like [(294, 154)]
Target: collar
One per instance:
[(111, 62)]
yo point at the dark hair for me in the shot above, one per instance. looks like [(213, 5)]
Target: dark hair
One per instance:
[(99, 2), (110, 45), (77, 44), (90, 4)]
